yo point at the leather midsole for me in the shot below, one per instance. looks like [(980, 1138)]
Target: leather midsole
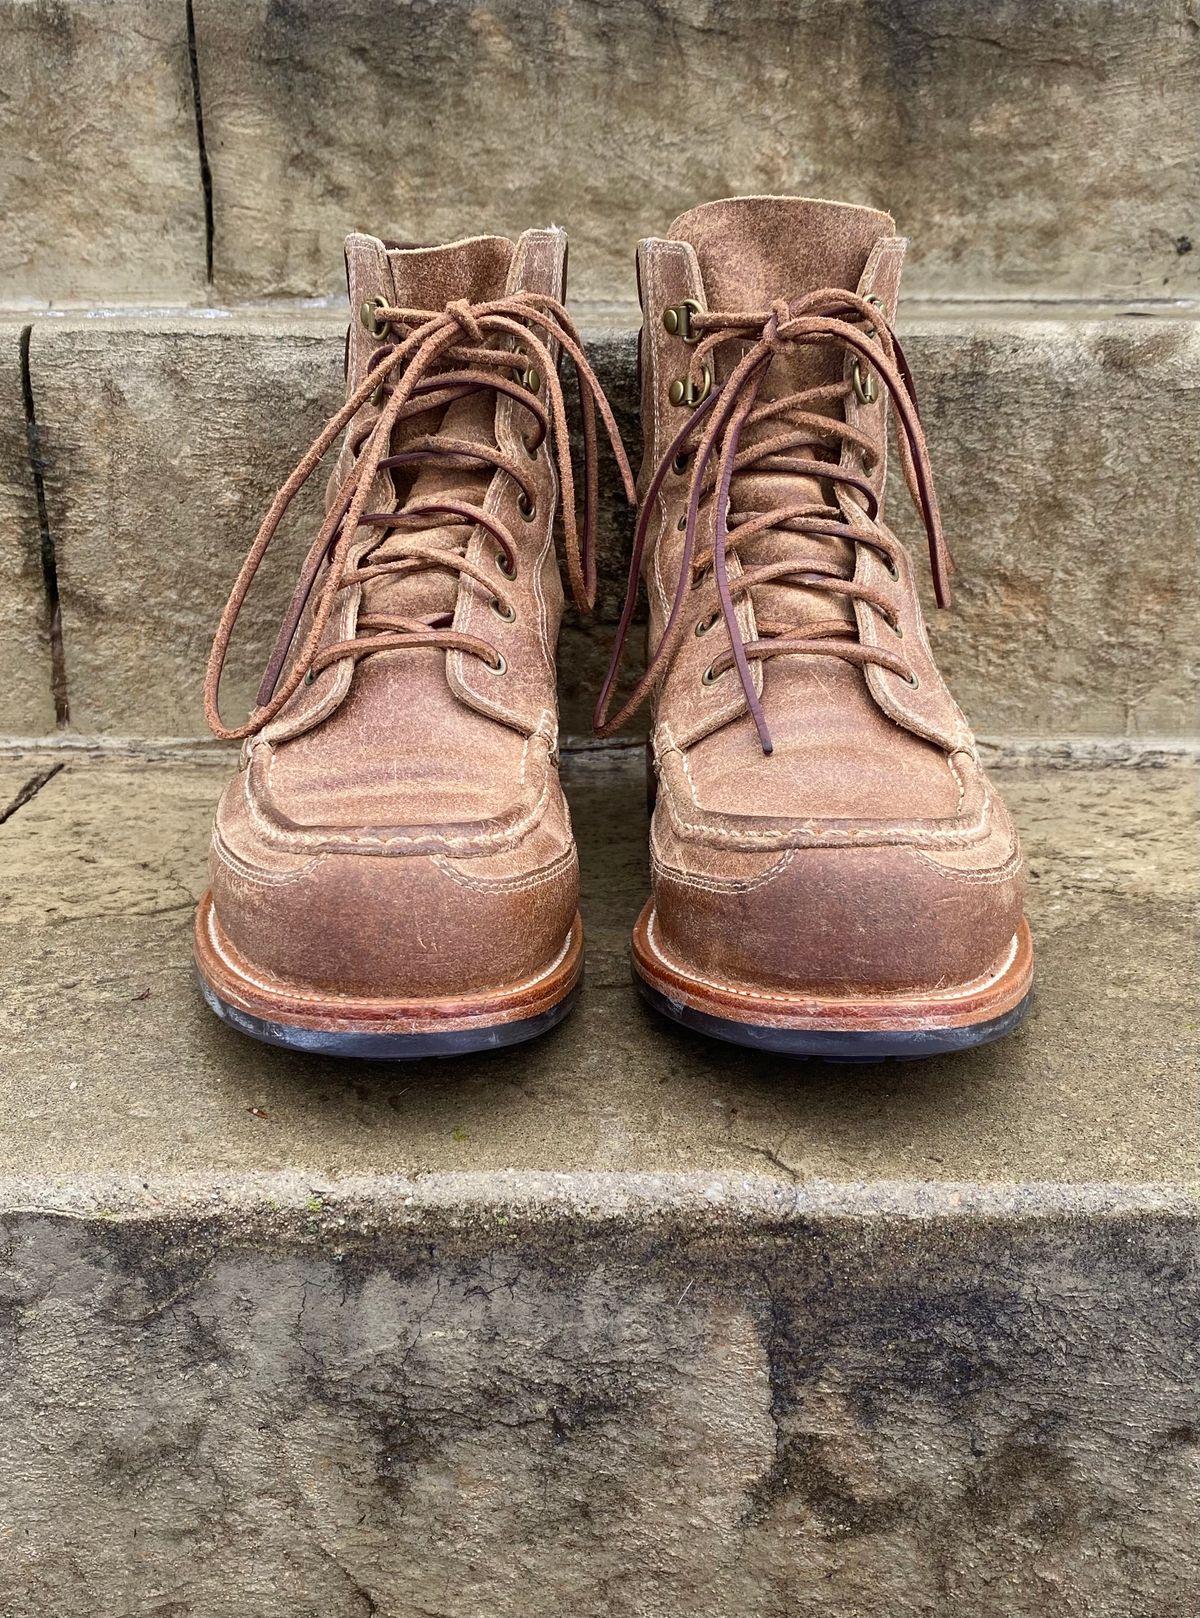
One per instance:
[(1005, 985), (233, 979)]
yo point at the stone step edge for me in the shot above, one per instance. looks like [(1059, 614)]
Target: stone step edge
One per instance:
[(349, 1207), (618, 315), (1008, 752)]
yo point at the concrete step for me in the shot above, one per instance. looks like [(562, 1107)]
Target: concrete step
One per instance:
[(620, 1323), (1018, 146), (1067, 454)]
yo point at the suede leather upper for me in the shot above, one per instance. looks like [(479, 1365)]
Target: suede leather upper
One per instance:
[(398, 829), (867, 851)]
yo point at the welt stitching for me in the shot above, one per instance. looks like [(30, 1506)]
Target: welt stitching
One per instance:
[(514, 884)]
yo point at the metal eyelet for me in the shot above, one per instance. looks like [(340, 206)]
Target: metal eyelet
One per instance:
[(914, 680), (682, 523), (505, 612), (680, 463), (705, 624), (531, 449), (708, 677), (500, 666), (677, 318), (367, 314), (310, 676), (526, 506), (509, 569), (683, 391), (531, 379), (865, 385), (896, 627), (893, 570)]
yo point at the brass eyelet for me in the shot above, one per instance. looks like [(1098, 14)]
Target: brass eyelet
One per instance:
[(865, 385), (367, 314), (531, 379), (874, 298), (682, 523), (705, 624), (500, 666), (505, 612), (509, 569), (378, 397), (677, 318), (914, 680), (683, 391), (680, 463), (526, 506), (708, 677), (310, 676)]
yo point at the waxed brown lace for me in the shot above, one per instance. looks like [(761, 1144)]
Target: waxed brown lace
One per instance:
[(435, 359), (830, 315)]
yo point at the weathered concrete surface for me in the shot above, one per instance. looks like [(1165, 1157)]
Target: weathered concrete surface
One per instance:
[(622, 1323), (100, 187), (1067, 456), (112, 1064), (1024, 148), (607, 1398), (26, 703), (157, 474)]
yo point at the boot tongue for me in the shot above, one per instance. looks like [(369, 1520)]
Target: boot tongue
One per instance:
[(429, 278), (432, 277), (751, 252)]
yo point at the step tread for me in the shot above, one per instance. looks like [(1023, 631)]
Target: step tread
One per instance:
[(113, 1066)]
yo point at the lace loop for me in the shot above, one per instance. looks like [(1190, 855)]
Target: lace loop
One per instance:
[(823, 317), (404, 378)]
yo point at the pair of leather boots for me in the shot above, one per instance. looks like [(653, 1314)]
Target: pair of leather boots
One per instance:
[(392, 870)]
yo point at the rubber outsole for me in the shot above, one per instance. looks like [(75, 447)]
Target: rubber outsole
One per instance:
[(325, 1024), (901, 1026), (837, 1045), (385, 1047)]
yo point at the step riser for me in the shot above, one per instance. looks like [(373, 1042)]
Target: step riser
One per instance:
[(1018, 145), (163, 444), (111, 209), (26, 679), (389, 1406)]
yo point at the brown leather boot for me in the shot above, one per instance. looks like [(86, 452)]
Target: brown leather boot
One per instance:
[(392, 870), (833, 874)]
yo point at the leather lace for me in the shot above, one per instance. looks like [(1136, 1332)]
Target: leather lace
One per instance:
[(430, 360), (800, 439)]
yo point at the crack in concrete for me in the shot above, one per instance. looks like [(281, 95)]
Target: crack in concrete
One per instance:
[(49, 555), (206, 184), (30, 790), (772, 1157)]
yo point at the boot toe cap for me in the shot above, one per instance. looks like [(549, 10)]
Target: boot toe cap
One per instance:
[(875, 919), (390, 926)]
